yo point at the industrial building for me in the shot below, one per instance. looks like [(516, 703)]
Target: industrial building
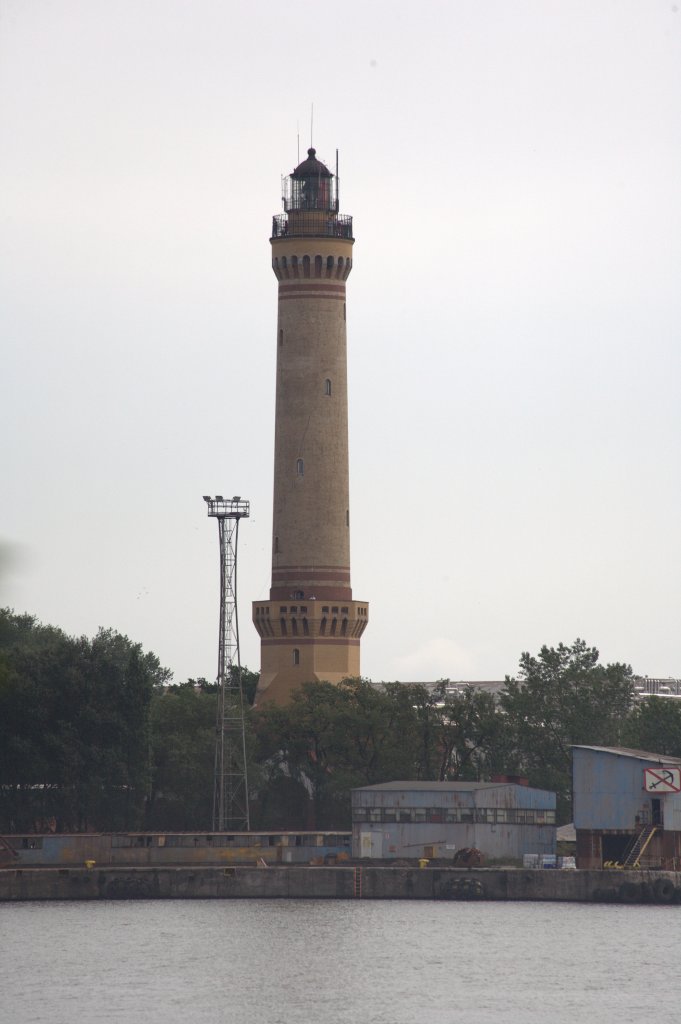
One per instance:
[(501, 819), (627, 808)]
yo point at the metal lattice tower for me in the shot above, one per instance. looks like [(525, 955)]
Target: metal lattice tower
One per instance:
[(230, 788)]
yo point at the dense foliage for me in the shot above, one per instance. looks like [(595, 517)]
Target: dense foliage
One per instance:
[(74, 727), (93, 736)]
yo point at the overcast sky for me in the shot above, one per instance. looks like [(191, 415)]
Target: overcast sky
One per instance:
[(513, 169)]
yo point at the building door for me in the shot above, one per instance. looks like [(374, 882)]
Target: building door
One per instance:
[(371, 844), (657, 812)]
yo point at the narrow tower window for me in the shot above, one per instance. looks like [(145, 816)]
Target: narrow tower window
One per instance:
[(329, 266), (327, 386), (296, 656), (322, 627), (276, 545), (300, 467), (306, 266), (317, 266), (281, 337)]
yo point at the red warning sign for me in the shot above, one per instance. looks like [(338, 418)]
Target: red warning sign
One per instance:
[(662, 780)]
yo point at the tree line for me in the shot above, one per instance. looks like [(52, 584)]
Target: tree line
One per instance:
[(95, 736)]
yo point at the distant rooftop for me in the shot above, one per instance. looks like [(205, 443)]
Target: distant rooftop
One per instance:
[(453, 685), (434, 787), (644, 686)]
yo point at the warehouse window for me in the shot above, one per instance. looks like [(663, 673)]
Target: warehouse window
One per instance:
[(32, 843)]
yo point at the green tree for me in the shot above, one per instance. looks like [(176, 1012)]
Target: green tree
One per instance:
[(466, 732), (561, 697), (331, 738), (74, 727), (183, 758), (655, 725)]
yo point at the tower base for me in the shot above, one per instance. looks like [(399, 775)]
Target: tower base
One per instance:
[(309, 642)]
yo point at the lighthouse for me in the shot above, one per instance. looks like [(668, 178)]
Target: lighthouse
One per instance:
[(310, 628)]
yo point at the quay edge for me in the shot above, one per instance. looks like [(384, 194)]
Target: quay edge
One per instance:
[(339, 883)]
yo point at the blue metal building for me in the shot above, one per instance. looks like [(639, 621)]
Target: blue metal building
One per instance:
[(627, 808), (435, 819)]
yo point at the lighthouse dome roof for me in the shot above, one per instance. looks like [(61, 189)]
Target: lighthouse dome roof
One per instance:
[(312, 167)]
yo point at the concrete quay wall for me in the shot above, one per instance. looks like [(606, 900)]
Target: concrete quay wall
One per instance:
[(21, 884)]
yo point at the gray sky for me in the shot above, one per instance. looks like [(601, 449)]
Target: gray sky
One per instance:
[(514, 309)]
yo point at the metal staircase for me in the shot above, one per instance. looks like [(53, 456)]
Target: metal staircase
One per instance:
[(638, 847)]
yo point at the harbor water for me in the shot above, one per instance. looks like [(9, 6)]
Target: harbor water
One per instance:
[(337, 962)]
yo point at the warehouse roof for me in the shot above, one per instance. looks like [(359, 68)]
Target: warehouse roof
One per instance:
[(642, 755), (422, 786)]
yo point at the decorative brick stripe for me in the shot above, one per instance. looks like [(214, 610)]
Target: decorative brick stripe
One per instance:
[(311, 572), (321, 593), (309, 284), (313, 295), (316, 641)]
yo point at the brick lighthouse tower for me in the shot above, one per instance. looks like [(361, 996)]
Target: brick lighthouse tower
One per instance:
[(310, 628)]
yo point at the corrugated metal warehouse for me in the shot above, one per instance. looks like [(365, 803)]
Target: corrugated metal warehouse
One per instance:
[(434, 819), (627, 807)]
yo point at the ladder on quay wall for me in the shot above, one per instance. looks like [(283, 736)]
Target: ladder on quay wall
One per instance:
[(638, 847), (358, 883)]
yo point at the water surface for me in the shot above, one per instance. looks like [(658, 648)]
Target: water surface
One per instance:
[(338, 962)]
